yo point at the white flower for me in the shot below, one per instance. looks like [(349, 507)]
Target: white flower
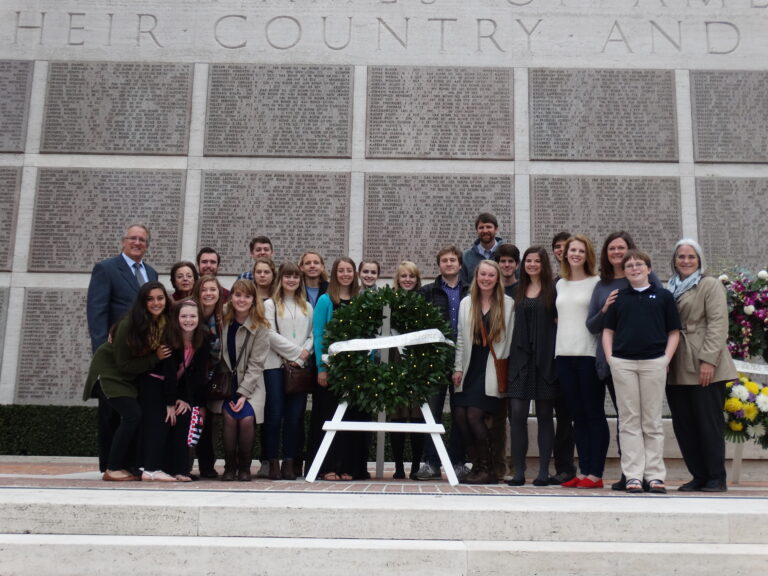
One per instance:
[(755, 430), (741, 392), (749, 310), (763, 274), (723, 278), (762, 402)]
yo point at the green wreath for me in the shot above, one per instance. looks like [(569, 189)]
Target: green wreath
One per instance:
[(371, 386)]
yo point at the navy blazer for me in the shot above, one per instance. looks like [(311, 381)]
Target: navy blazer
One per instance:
[(111, 293)]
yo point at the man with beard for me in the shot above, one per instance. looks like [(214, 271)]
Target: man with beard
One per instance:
[(484, 248)]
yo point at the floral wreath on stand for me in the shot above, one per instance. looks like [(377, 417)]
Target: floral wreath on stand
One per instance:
[(372, 386)]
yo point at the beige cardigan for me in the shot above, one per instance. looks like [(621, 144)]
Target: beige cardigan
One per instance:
[(704, 317), (464, 345), (250, 370)]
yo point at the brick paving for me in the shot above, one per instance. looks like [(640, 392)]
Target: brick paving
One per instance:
[(62, 472)]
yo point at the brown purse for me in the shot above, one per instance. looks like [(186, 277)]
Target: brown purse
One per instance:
[(298, 380), (501, 364), (220, 386)]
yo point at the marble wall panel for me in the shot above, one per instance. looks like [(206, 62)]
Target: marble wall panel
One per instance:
[(10, 182), (15, 89)]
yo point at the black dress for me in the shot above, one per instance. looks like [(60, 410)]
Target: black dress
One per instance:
[(473, 390), (532, 374)]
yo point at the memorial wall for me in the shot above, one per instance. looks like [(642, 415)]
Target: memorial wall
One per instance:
[(361, 127)]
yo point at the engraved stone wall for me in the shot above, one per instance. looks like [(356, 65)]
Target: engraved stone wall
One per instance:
[(648, 208), (10, 182), (413, 216), (55, 348), (621, 115), (423, 112), (298, 211), (261, 110), (15, 88), (4, 296), (81, 214), (731, 218), (117, 108), (730, 116)]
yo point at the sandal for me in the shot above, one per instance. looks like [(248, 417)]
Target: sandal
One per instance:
[(183, 478), (156, 476), (331, 477), (657, 487), (634, 486)]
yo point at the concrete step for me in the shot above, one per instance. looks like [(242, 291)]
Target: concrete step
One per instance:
[(502, 517), (150, 556)]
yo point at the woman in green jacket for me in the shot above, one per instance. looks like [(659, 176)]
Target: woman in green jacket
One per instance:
[(135, 348)]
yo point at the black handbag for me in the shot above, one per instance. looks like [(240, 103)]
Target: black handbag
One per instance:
[(220, 386)]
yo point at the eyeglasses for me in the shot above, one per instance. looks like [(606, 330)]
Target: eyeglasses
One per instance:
[(137, 239)]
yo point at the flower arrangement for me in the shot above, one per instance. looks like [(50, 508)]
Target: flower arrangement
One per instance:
[(747, 313), (746, 411)]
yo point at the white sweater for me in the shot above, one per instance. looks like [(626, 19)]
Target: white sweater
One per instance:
[(294, 336), (573, 297)]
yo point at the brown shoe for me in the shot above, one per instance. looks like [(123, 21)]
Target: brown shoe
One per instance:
[(286, 470), (274, 470), (228, 476), (119, 476), (244, 476)]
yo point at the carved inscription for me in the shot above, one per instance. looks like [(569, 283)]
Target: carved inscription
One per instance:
[(10, 183), (81, 214), (280, 110), (411, 216), (621, 115), (4, 295), (117, 108), (647, 208), (298, 211), (730, 116), (15, 88), (731, 217), (55, 349), (425, 112)]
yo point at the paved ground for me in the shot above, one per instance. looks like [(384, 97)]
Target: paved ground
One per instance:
[(63, 472)]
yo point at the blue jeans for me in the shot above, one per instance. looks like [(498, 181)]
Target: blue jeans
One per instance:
[(281, 411), (585, 395)]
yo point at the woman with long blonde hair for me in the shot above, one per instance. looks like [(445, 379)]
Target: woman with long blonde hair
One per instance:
[(486, 318)]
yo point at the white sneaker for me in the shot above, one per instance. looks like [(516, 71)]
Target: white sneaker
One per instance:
[(264, 470), (461, 471), (428, 472)]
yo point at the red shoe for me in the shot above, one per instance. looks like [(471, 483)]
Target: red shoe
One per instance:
[(587, 483), (573, 482)]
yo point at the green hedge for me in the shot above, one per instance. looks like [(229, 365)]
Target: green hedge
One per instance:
[(27, 430)]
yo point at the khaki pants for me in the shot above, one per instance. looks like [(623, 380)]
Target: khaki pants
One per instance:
[(639, 394)]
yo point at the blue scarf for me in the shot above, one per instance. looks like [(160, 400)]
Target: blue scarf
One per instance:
[(679, 287)]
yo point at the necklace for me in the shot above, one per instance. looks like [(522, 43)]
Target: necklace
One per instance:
[(293, 316)]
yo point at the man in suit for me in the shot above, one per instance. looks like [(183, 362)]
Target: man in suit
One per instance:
[(114, 285)]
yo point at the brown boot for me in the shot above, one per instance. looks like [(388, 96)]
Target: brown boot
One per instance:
[(287, 471), (483, 472), (274, 470)]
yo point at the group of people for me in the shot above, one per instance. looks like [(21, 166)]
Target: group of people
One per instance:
[(523, 332)]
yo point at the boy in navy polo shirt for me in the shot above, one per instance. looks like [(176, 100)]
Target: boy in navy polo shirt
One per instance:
[(642, 330)]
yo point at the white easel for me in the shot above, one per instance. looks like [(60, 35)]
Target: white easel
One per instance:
[(336, 424)]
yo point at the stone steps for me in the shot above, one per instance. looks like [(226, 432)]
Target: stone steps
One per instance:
[(111, 531)]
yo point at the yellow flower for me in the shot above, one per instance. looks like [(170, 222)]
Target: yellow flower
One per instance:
[(764, 391), (750, 411), (729, 384), (753, 387), (736, 426), (743, 379), (733, 405)]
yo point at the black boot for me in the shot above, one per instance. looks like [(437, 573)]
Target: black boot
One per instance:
[(230, 465)]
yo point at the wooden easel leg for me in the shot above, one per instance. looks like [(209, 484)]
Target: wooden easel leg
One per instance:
[(441, 451)]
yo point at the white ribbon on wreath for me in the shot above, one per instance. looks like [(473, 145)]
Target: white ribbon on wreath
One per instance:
[(431, 336)]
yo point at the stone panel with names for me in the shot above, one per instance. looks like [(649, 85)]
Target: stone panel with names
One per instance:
[(413, 216), (298, 211), (439, 112), (613, 115), (55, 349), (279, 110), (731, 218), (646, 207), (81, 214), (730, 115), (4, 296), (117, 108), (10, 183), (15, 89)]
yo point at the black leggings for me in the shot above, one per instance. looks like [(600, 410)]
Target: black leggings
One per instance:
[(123, 453), (471, 423), (518, 424)]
